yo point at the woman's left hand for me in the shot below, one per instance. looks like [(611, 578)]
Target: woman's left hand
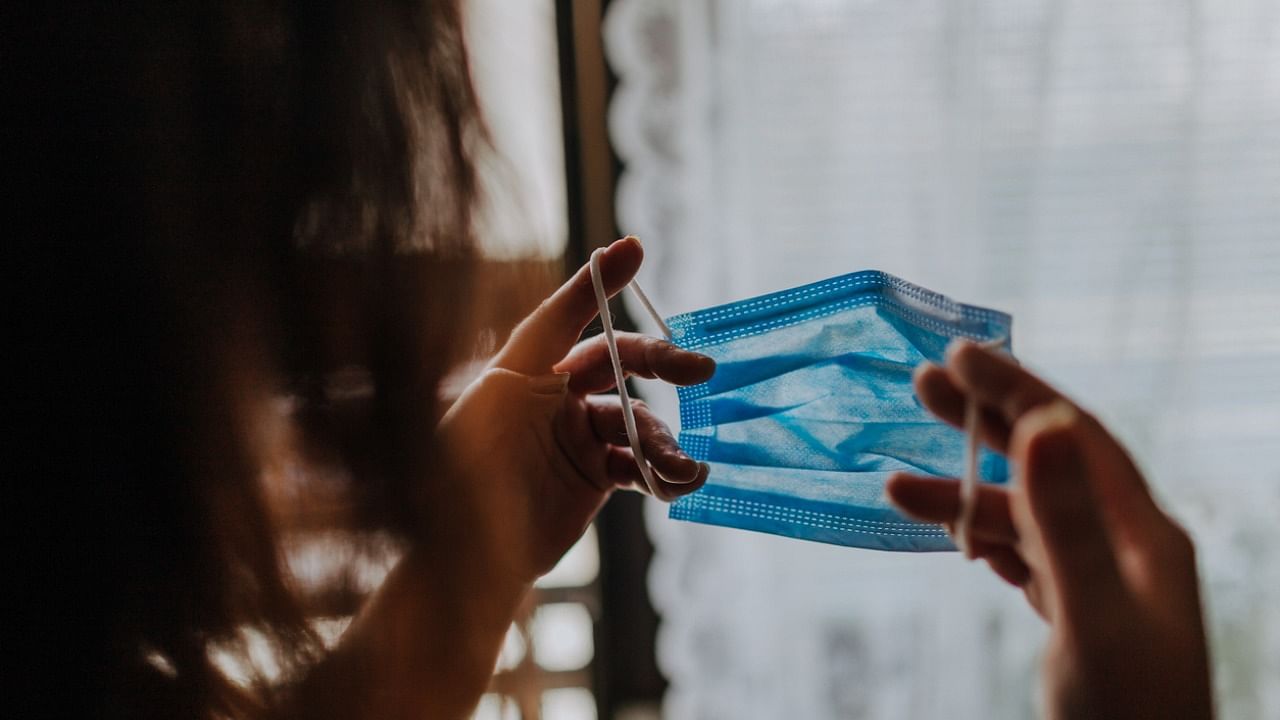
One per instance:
[(1079, 532), (533, 450)]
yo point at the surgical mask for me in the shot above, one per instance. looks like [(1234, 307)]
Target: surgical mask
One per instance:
[(812, 408)]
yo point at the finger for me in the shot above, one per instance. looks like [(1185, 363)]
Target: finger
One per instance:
[(671, 491), (621, 468), (997, 381), (623, 471), (656, 440), (937, 500), (1003, 560), (1046, 445), (591, 370), (544, 337), (941, 397)]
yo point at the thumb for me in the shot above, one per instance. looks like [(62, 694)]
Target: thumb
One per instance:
[(547, 335), (1047, 445)]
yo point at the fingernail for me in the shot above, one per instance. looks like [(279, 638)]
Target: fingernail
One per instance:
[(1060, 486), (1056, 455), (675, 352), (955, 347), (995, 344), (630, 239), (683, 460), (921, 369), (549, 384), (1057, 415)]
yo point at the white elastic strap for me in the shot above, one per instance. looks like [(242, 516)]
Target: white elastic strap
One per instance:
[(620, 378), (648, 306), (969, 484)]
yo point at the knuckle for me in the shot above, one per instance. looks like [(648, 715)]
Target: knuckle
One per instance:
[(581, 281), (598, 346), (1022, 400)]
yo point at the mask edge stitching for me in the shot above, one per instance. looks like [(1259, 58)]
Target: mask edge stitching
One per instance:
[(864, 277), (708, 499), (684, 510), (752, 329)]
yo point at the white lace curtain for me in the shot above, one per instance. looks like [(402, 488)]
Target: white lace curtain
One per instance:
[(1106, 170)]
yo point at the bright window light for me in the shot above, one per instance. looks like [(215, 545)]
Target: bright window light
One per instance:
[(568, 704), (578, 567), (562, 636)]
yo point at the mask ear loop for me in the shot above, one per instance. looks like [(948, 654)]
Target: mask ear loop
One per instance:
[(620, 378), (648, 306), (969, 484)]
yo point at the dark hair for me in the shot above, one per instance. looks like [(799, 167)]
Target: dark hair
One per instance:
[(228, 200)]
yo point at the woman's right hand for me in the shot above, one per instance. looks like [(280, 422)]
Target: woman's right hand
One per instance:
[(1079, 532)]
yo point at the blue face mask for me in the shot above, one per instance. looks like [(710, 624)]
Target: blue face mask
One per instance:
[(812, 408)]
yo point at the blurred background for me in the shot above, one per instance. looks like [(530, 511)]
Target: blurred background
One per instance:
[(1106, 171)]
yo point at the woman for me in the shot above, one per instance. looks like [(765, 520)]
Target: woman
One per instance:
[(263, 207), (249, 267)]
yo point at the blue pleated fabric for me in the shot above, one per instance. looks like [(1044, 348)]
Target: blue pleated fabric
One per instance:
[(812, 408)]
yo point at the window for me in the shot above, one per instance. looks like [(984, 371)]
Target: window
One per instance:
[(546, 667), (1109, 172), (544, 670)]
